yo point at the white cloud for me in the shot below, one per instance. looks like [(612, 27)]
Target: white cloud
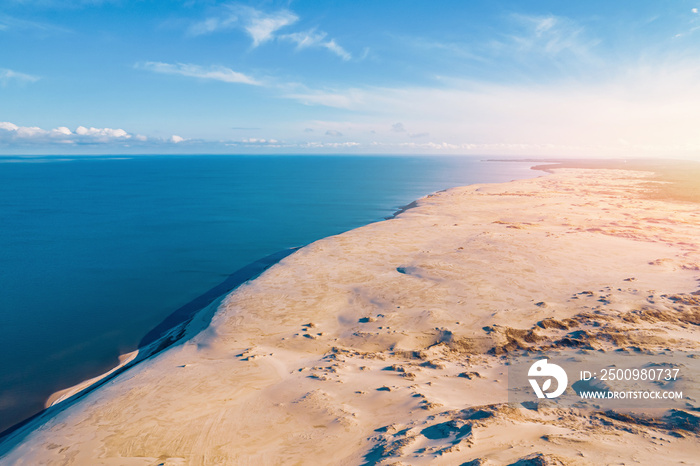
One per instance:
[(552, 36), (333, 133), (337, 49), (312, 38), (12, 133), (213, 24), (262, 27), (7, 126), (259, 25), (216, 73), (8, 76), (63, 130), (260, 141), (542, 25), (695, 10), (98, 133), (15, 135), (327, 145)]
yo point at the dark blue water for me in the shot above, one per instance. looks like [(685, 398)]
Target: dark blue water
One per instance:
[(96, 251)]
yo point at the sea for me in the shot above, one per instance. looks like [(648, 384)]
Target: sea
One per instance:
[(97, 251)]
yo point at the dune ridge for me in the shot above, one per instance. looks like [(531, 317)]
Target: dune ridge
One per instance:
[(385, 344)]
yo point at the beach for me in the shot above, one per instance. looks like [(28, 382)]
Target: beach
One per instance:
[(386, 344), (106, 253)]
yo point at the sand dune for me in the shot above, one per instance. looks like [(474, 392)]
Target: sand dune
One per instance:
[(386, 344)]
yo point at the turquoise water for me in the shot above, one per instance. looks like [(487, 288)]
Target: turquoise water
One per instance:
[(96, 251)]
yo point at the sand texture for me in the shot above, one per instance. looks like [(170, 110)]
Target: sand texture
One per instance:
[(384, 345)]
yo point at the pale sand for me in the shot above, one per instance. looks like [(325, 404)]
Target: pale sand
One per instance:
[(349, 351), (66, 393)]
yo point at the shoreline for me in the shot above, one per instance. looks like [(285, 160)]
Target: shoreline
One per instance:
[(173, 322), (181, 316), (171, 330), (66, 393), (237, 323), (161, 337), (168, 325)]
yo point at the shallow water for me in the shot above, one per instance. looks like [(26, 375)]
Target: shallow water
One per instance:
[(96, 251)]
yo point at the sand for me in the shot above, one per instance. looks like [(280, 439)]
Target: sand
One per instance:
[(64, 394), (385, 344)]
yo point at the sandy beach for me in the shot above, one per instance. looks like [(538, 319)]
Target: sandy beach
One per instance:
[(387, 344)]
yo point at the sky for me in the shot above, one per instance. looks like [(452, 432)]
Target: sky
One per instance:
[(511, 78)]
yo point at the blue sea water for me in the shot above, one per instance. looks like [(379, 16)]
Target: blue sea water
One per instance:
[(96, 251)]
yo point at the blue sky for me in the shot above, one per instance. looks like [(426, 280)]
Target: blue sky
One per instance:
[(532, 78)]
